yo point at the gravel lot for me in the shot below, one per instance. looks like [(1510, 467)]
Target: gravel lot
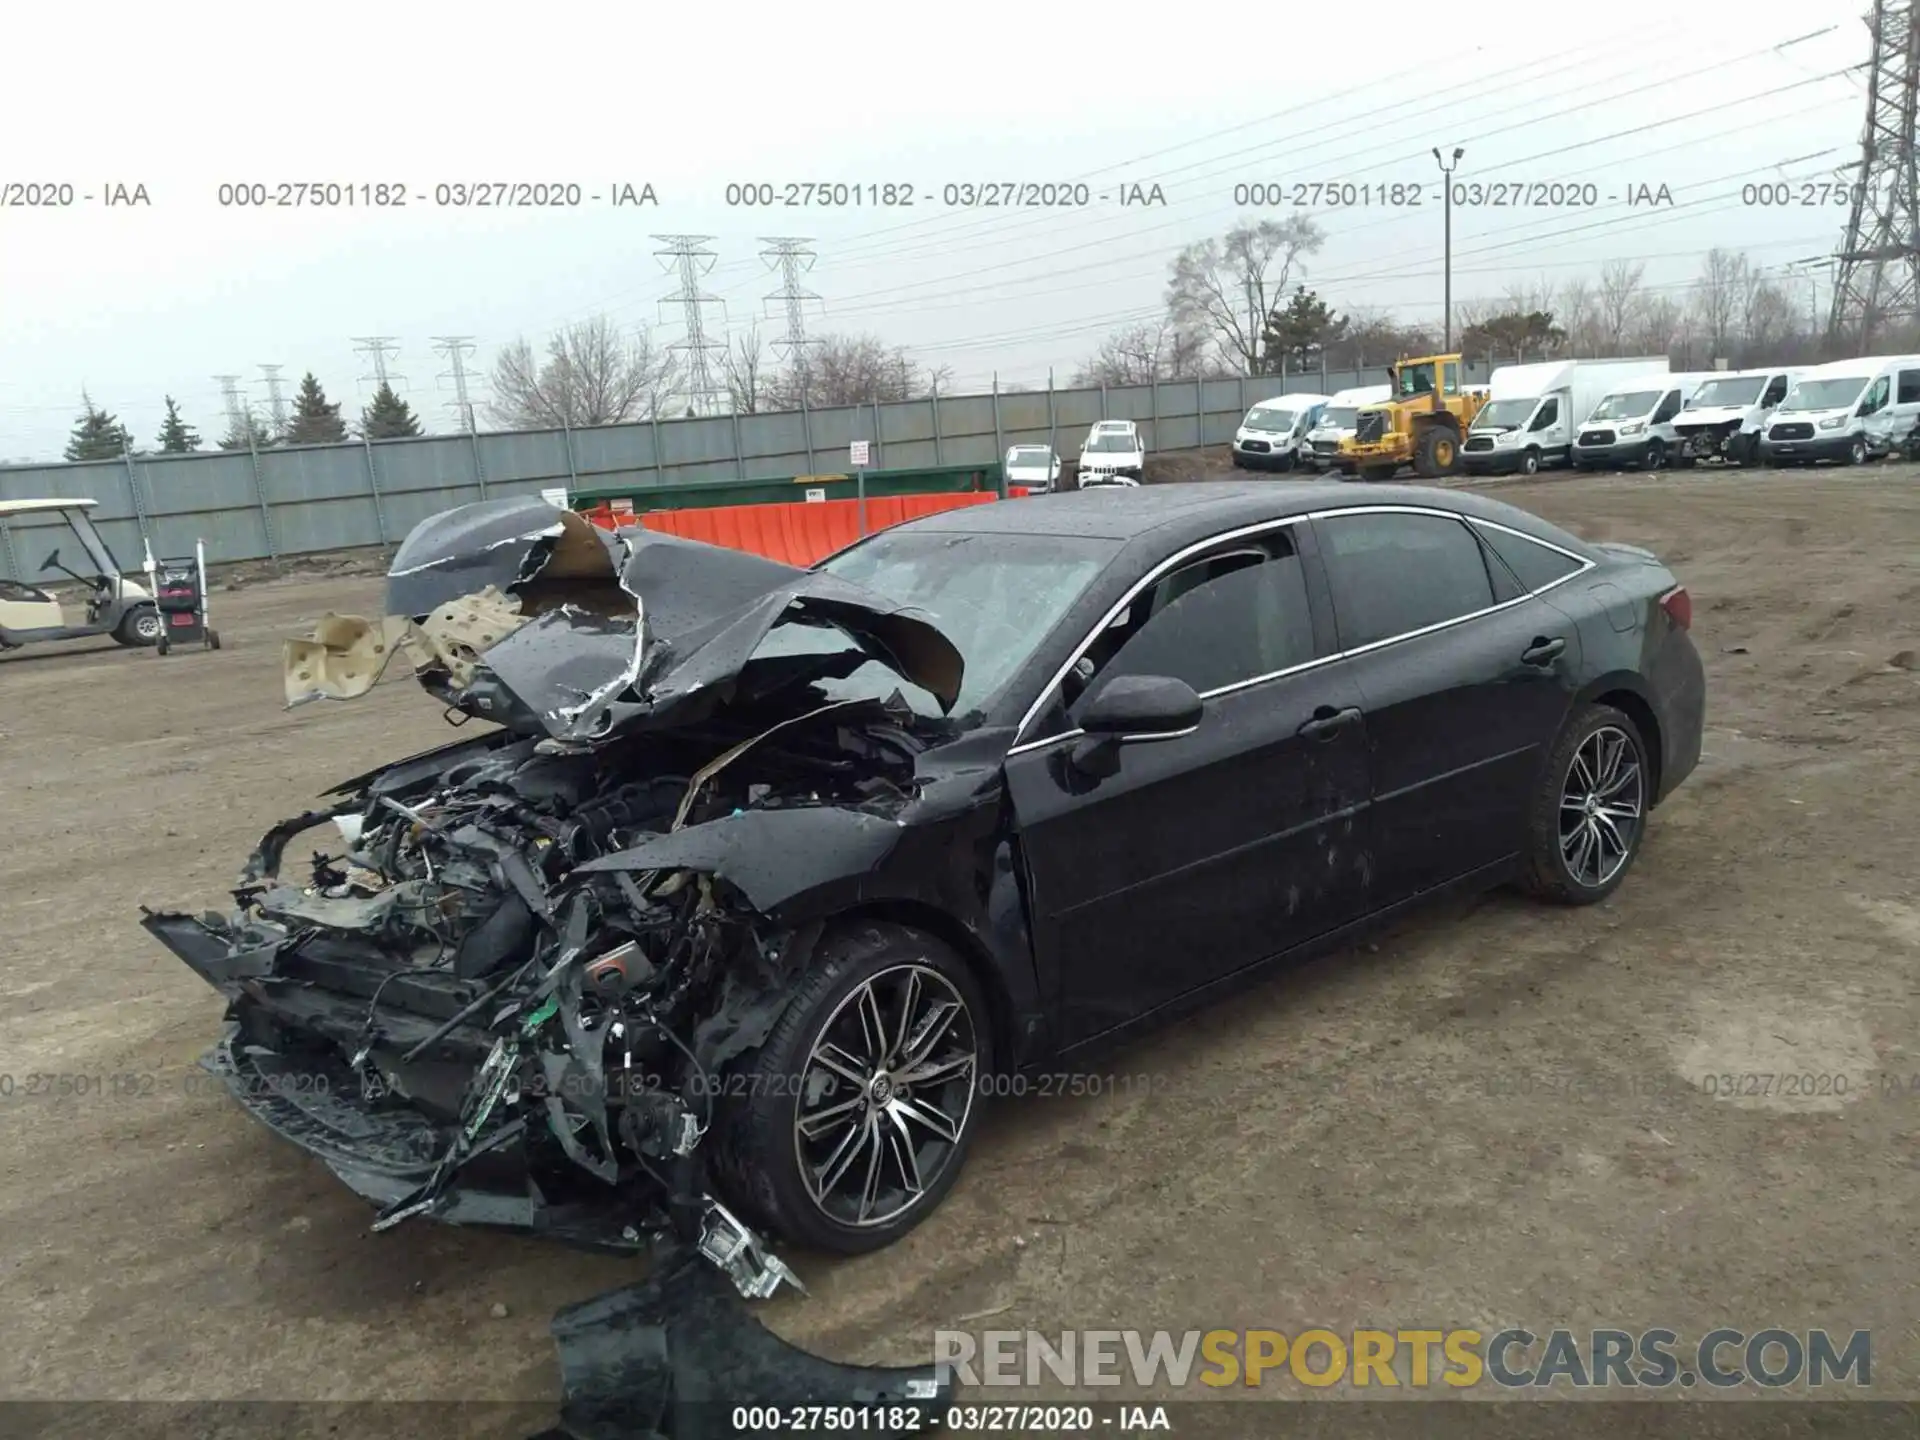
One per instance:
[(1493, 1115)]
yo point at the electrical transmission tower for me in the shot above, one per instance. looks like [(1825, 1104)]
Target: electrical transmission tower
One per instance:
[(688, 256), (1879, 276), (276, 402), (239, 416), (456, 348), (377, 348), (793, 257)]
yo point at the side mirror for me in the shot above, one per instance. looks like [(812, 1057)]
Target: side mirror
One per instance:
[(1133, 708)]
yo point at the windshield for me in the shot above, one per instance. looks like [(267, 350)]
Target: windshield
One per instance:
[(1826, 394), (1505, 414), (996, 596), (1035, 455), (1623, 407), (1743, 391), (1261, 418), (1112, 443), (1338, 417)]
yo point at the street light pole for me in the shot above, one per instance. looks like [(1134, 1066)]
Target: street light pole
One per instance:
[(1447, 210)]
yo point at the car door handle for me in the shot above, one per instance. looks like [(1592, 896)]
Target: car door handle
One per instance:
[(1544, 651), (1328, 722)]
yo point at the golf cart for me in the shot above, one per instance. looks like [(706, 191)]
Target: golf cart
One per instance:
[(116, 606)]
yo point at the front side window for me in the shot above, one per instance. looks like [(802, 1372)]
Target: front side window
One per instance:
[(1220, 620), (1393, 574)]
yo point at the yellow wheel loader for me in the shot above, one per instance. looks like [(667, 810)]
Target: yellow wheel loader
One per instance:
[(1422, 425)]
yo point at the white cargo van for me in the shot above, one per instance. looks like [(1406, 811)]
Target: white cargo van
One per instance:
[(1274, 434), (1845, 410), (1337, 421), (1725, 417), (1633, 426), (1531, 411)]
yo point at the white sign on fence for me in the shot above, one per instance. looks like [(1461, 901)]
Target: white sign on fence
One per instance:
[(857, 452), (816, 493), (555, 497)]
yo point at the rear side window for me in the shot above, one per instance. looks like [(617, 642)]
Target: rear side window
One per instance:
[(1222, 620), (1532, 564), (1393, 574), (1909, 393)]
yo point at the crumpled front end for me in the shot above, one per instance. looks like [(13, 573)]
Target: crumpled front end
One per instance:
[(505, 989)]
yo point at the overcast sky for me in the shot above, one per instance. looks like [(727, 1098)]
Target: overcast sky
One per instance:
[(133, 303)]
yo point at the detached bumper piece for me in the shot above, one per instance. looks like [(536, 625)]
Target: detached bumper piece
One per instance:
[(679, 1357)]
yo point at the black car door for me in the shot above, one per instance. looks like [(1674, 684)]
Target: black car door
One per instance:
[(1465, 678), (1207, 851)]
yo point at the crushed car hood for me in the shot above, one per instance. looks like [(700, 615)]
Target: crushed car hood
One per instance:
[(530, 616)]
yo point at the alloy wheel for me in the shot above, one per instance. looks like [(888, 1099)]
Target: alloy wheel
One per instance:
[(1601, 806), (147, 625), (886, 1095)]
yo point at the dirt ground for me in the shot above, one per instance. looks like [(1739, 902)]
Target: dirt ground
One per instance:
[(1498, 1114)]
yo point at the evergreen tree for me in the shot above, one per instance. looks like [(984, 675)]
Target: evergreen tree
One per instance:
[(1300, 331), (249, 429), (387, 416), (176, 436), (97, 435), (314, 422)]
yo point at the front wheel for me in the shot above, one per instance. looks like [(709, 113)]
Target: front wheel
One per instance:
[(1589, 814), (1656, 455), (848, 1126), (1857, 451), (1530, 463)]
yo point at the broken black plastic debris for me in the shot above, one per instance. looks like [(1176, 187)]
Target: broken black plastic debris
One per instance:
[(675, 1356)]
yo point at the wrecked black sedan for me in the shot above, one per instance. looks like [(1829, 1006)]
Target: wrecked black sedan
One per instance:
[(758, 875)]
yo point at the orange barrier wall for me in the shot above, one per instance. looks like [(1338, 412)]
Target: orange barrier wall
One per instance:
[(795, 534)]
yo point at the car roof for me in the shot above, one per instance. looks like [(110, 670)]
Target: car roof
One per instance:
[(29, 507), (1194, 510)]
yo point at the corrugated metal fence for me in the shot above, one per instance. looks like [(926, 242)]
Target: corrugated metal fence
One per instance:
[(316, 498)]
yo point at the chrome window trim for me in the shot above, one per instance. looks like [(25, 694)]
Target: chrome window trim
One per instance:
[(1583, 566)]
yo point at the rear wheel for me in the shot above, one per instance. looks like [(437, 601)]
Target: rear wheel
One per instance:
[(853, 1119), (1377, 472), (1589, 813), (139, 627)]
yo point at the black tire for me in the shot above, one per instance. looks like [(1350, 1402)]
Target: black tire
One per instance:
[(1437, 454), (139, 628), (213, 639), (1239, 464), (1656, 456), (1857, 451), (1530, 462), (1547, 873), (1377, 473), (759, 1163)]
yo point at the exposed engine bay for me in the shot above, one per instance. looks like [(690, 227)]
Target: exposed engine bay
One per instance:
[(507, 986)]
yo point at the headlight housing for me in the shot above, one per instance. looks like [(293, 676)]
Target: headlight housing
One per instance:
[(1833, 422), (1634, 429)]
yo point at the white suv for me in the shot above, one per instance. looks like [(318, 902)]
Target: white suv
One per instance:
[(1113, 453)]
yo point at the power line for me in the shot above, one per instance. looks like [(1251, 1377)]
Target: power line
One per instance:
[(456, 348), (685, 254), (786, 253), (1880, 256)]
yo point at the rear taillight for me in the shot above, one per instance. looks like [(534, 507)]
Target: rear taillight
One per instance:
[(1679, 606)]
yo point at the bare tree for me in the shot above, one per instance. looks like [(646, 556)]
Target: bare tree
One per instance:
[(1225, 289), (852, 370), (1659, 326), (1524, 297), (1374, 337), (1620, 300), (1579, 314), (1717, 299), (1141, 354), (744, 366), (591, 375), (1767, 315)]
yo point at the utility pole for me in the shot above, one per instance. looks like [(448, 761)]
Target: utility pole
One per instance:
[(792, 256), (1446, 303), (1879, 275), (276, 402), (456, 348), (688, 256)]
